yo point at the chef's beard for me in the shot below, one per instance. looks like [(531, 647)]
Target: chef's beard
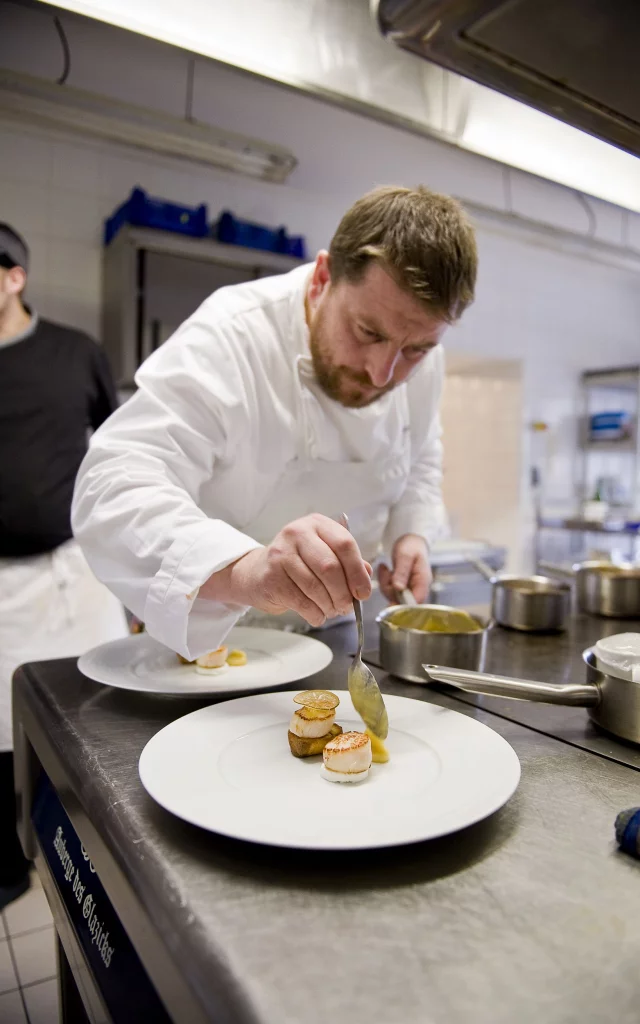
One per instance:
[(350, 388)]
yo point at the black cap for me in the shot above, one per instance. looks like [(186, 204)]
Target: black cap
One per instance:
[(13, 248)]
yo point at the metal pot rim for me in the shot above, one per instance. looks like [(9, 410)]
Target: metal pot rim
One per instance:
[(552, 586), (622, 570), (381, 618)]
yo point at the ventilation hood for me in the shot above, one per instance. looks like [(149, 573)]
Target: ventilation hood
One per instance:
[(576, 60)]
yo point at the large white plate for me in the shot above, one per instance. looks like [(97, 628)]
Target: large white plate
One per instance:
[(140, 663), (228, 769)]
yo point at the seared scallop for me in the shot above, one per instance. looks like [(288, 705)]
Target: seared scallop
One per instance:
[(214, 661), (347, 758), (311, 722)]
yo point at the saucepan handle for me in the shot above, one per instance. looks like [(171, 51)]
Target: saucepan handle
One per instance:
[(483, 568), (584, 695), (556, 570)]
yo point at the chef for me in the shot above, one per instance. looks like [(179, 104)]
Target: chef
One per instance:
[(278, 405), (55, 386)]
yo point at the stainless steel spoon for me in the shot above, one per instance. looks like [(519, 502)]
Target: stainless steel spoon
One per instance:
[(363, 686)]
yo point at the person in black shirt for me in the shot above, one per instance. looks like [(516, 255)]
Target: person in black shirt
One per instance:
[(55, 387)]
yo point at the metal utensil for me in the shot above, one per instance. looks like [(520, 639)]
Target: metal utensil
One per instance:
[(403, 649), (603, 588), (612, 703), (531, 604), (363, 686)]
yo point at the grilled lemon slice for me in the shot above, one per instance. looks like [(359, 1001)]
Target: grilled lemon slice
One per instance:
[(322, 700)]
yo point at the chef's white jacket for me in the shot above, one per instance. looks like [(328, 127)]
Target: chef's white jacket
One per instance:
[(227, 439)]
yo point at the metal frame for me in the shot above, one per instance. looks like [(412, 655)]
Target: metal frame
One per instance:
[(72, 950), (625, 378), (32, 751)]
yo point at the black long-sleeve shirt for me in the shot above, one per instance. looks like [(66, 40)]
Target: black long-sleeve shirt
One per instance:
[(55, 386)]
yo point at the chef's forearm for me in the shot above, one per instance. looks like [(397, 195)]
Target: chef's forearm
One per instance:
[(151, 545), (174, 602), (427, 522), (229, 585)]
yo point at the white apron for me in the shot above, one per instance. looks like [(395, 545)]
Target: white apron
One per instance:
[(51, 606), (365, 490)]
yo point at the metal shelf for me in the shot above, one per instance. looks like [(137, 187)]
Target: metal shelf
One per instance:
[(588, 525), (205, 249), (626, 381), (622, 378), (625, 445)]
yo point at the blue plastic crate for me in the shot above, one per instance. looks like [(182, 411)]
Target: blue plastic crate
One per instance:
[(145, 211), (233, 231), (610, 426)]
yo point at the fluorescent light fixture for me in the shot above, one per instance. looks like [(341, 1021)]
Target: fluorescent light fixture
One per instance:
[(504, 129), (25, 98)]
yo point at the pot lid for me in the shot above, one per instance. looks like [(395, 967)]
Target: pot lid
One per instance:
[(619, 656)]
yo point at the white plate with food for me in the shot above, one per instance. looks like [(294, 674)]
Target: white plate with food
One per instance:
[(252, 659), (231, 769)]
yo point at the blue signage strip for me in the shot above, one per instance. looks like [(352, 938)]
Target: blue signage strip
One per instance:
[(119, 975)]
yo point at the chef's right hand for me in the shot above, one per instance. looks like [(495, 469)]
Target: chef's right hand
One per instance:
[(312, 567)]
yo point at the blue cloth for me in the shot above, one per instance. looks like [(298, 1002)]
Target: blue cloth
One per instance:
[(628, 831)]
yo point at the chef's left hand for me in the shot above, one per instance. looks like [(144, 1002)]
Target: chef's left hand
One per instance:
[(410, 569)]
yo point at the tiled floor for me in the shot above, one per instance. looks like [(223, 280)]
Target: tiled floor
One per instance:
[(28, 986)]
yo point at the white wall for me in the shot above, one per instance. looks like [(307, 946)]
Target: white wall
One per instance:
[(556, 313), (483, 457)]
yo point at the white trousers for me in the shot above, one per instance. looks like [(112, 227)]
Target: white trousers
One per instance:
[(51, 606)]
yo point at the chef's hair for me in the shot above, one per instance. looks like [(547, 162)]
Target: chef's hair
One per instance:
[(424, 239)]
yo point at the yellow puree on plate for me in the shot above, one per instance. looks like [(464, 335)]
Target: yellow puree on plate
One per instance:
[(379, 752)]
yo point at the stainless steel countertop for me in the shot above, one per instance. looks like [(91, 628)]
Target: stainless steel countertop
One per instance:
[(529, 916)]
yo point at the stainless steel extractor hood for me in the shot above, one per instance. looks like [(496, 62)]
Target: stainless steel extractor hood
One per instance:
[(578, 60)]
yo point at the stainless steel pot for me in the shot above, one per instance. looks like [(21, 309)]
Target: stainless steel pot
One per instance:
[(403, 649), (613, 704), (533, 604), (603, 588)]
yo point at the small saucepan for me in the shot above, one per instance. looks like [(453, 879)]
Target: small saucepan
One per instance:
[(532, 604), (603, 588), (411, 635), (612, 703)]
